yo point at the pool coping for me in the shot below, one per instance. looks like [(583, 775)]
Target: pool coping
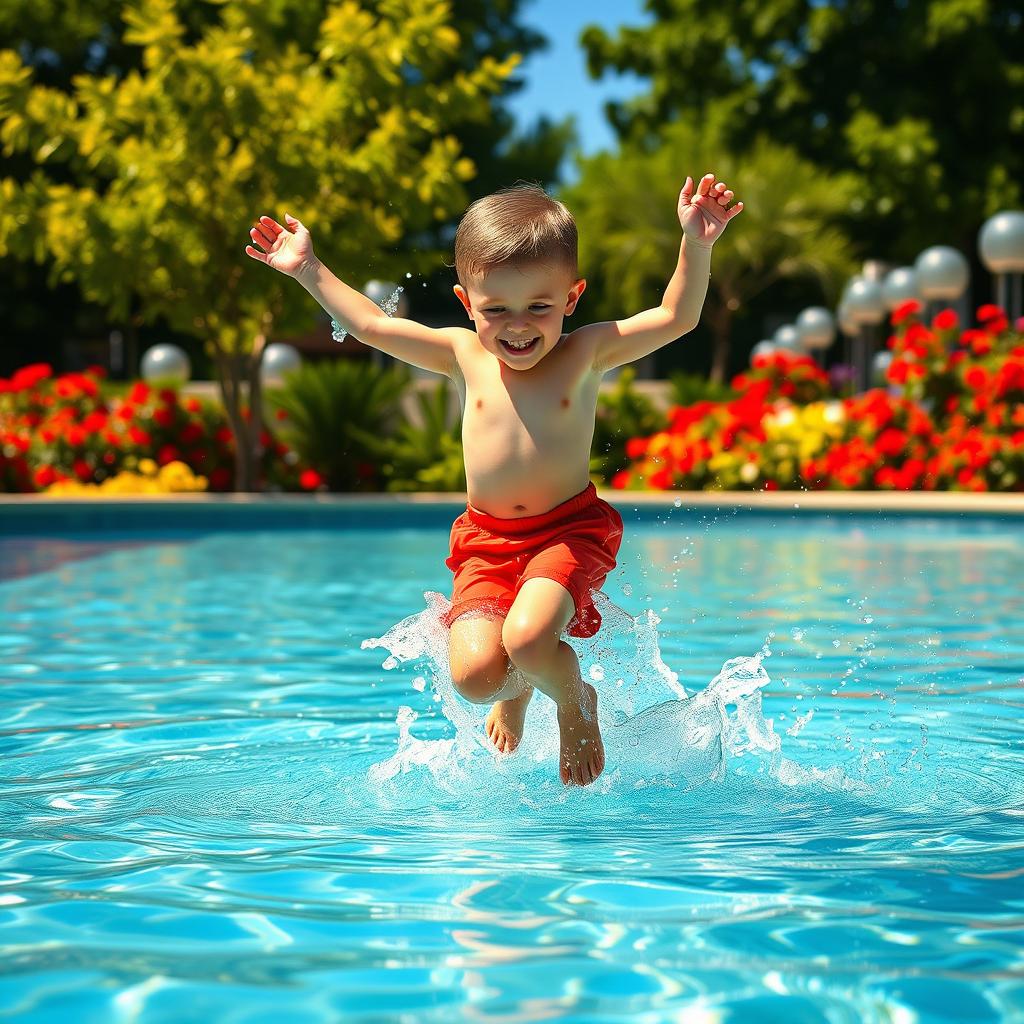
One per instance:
[(15, 508)]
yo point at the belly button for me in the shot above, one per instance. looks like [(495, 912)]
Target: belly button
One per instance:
[(479, 403), (565, 403)]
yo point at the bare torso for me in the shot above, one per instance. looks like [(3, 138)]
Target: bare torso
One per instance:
[(526, 433)]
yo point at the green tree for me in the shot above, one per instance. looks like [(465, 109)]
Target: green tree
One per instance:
[(146, 182), (924, 99), (629, 234), (61, 41)]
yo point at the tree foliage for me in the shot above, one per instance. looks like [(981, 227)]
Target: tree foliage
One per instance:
[(145, 183), (629, 233), (924, 99)]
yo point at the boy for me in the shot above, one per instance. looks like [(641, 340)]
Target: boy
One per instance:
[(535, 540)]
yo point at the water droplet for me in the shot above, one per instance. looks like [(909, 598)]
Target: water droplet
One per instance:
[(798, 634), (419, 683), (596, 673), (835, 692), (868, 619), (835, 643)]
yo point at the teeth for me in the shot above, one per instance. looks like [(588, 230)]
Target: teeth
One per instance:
[(520, 344)]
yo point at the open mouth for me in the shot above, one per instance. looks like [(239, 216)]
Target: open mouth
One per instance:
[(518, 347)]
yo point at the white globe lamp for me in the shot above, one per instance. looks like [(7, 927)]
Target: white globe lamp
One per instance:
[(166, 363), (278, 360)]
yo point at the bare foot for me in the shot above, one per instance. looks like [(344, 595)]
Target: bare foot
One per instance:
[(505, 721), (581, 758)]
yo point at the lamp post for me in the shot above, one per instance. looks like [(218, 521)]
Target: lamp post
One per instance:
[(900, 285), (1001, 244), (278, 359), (166, 363), (865, 308), (787, 337), (817, 329), (942, 275)]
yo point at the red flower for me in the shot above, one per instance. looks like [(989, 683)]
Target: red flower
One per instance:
[(139, 436), (168, 453), (83, 470), (95, 421), (990, 312), (976, 378), (947, 320), (904, 311), (44, 476), (164, 416), (636, 447), (620, 481), (310, 480), (29, 376), (891, 441), (139, 393), (191, 433)]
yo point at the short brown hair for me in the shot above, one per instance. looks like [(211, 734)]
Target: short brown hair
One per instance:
[(522, 224)]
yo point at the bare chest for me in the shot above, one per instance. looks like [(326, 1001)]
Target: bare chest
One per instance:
[(544, 407)]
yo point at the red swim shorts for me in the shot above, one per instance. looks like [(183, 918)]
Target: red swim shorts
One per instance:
[(574, 544)]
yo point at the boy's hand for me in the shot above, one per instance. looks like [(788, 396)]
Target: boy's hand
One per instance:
[(703, 216), (289, 249)]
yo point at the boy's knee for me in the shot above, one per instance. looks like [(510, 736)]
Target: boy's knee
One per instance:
[(530, 645), (480, 677)]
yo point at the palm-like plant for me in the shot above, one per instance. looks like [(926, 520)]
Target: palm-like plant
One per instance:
[(791, 225), (424, 455), (331, 407)]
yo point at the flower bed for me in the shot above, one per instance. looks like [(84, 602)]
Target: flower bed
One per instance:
[(951, 419), (73, 433)]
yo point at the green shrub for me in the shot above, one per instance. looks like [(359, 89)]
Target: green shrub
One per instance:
[(424, 456), (689, 389), (331, 408), (622, 413)]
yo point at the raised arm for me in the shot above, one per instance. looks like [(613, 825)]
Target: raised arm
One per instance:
[(703, 217), (290, 250)]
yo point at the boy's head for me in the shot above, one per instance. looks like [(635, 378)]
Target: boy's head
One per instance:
[(515, 257)]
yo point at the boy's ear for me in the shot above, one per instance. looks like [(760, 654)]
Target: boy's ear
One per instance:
[(574, 295), (464, 299)]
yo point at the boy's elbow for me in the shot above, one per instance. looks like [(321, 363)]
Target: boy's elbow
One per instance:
[(677, 324)]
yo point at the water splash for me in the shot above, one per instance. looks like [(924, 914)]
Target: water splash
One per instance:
[(389, 305), (653, 729)]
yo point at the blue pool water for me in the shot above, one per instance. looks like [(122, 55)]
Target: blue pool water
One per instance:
[(217, 804)]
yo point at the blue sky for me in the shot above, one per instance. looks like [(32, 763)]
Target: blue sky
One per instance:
[(557, 82)]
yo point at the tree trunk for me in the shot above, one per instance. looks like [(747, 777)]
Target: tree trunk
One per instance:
[(721, 329), (234, 370)]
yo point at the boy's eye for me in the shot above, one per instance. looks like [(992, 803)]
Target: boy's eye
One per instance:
[(540, 306)]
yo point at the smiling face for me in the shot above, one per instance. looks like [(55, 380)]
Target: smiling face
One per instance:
[(518, 310)]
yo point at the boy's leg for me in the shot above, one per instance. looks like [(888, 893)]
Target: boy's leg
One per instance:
[(532, 638), (482, 674)]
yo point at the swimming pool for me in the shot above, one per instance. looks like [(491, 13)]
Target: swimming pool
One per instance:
[(216, 804)]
